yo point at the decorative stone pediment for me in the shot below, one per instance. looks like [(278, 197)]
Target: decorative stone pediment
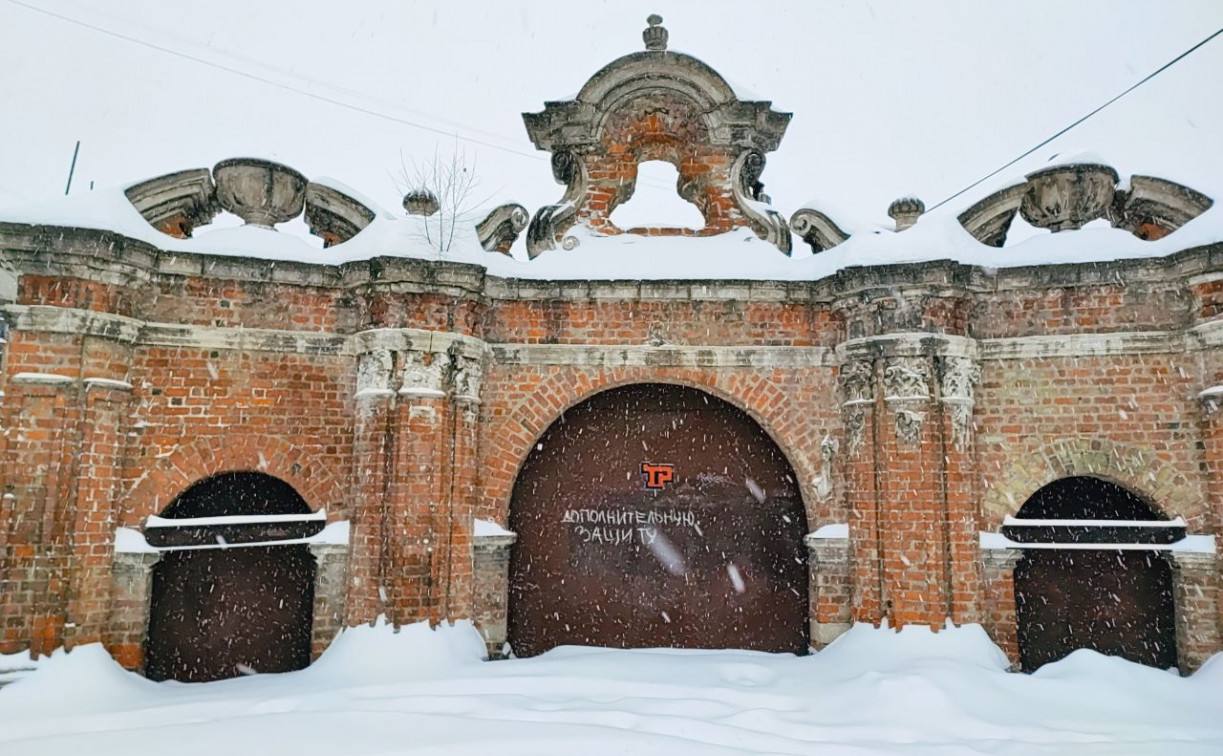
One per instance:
[(260, 192), (1066, 197), (657, 105)]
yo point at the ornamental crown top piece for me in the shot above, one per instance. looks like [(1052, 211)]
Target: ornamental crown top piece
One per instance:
[(655, 35)]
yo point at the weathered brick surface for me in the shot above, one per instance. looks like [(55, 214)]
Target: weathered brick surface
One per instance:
[(179, 376)]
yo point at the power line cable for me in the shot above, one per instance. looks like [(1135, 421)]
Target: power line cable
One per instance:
[(1139, 83), (287, 87), (270, 82)]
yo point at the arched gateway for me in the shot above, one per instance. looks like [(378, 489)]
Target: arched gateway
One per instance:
[(657, 515), (1096, 581), (221, 608)]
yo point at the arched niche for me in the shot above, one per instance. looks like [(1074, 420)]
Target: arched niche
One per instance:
[(221, 610), (1115, 598), (657, 515)]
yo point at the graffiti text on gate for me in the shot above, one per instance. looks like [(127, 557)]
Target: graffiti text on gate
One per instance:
[(619, 526)]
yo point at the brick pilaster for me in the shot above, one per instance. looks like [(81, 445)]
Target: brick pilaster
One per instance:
[(914, 536), (829, 588), (39, 472), (958, 376), (1195, 587), (91, 527), (1000, 618), (857, 383)]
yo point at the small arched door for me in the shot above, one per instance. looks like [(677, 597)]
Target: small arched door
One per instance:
[(657, 515), (1117, 602), (227, 611)]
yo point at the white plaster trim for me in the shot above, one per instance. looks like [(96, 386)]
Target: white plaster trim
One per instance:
[(367, 393), (41, 378), (1208, 334)]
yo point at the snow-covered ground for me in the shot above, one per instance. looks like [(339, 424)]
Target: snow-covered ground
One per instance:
[(426, 692)]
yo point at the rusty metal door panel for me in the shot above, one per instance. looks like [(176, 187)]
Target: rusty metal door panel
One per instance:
[(219, 613), (1116, 602), (611, 552)]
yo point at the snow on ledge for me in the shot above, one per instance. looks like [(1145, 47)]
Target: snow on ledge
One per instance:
[(489, 529), (51, 378), (1190, 544), (154, 521), (832, 530), (1035, 523), (132, 541), (737, 255)]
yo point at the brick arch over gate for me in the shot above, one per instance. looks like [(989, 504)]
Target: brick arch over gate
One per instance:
[(513, 431), (207, 456), (1137, 469)]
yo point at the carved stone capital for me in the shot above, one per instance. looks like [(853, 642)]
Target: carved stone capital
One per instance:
[(906, 379), (857, 381), (1000, 560), (374, 373), (1210, 400), (425, 373), (959, 381), (1192, 561), (468, 378), (906, 384)]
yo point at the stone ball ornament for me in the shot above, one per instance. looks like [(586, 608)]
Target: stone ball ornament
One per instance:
[(421, 202)]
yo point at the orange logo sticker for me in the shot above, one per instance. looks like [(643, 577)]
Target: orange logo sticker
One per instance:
[(657, 476)]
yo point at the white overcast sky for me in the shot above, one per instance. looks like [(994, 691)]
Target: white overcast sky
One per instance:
[(889, 98)]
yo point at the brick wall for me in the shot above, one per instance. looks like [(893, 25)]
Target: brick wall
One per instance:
[(345, 382)]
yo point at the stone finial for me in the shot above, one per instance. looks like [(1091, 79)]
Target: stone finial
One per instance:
[(260, 192), (1067, 197), (655, 35), (421, 202), (905, 211)]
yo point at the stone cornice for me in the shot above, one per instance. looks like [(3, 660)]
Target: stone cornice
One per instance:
[(126, 330), (110, 257)]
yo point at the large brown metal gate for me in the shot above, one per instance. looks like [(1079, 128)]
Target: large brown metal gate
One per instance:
[(223, 612), (1117, 602), (657, 515)]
